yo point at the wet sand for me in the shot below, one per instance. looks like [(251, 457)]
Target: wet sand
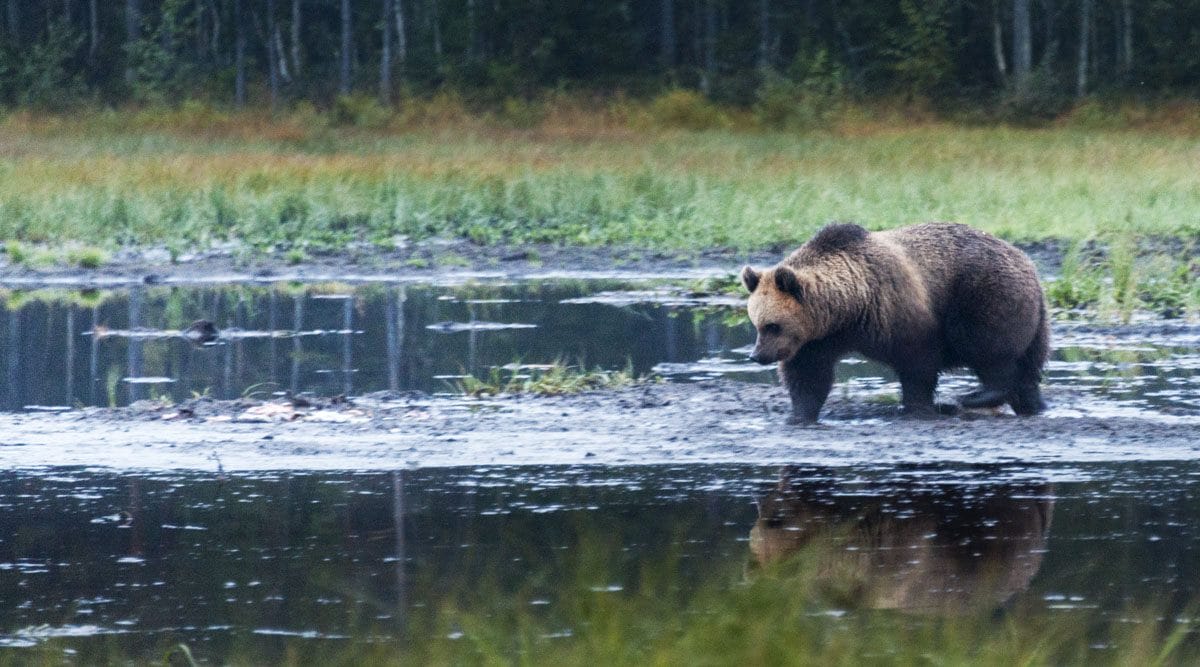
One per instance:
[(703, 422)]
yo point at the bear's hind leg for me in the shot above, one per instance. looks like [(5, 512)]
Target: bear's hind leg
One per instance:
[(917, 383), (997, 380), (1026, 400)]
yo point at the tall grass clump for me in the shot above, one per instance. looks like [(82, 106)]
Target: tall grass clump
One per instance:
[(1078, 283), (1123, 272), (544, 380)]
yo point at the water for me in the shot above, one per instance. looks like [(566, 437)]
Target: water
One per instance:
[(101, 564), (98, 566), (62, 349)]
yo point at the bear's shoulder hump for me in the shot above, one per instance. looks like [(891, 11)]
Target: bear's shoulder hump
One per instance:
[(838, 236)]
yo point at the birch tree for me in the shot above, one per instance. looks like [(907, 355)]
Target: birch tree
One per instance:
[(1022, 50)]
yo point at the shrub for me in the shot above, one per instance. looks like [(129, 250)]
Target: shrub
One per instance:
[(363, 111), (686, 109), (1040, 98), (808, 95)]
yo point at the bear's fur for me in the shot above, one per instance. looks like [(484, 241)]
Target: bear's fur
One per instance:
[(919, 299)]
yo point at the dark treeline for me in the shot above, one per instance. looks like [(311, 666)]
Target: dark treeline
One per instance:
[(61, 53)]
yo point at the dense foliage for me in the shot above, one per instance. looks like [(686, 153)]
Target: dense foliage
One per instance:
[(1023, 58)]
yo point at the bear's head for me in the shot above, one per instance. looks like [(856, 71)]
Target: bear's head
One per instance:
[(777, 310)]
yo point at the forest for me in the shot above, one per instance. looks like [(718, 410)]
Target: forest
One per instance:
[(1019, 58)]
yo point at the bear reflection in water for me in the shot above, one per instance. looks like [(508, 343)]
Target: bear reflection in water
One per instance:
[(904, 545)]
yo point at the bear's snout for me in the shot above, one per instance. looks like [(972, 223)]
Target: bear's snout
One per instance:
[(759, 356)]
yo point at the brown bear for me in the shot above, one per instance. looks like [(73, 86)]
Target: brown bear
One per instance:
[(921, 299)]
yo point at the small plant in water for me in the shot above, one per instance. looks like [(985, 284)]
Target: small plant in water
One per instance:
[(1122, 257), (548, 380), (1078, 284), (296, 256), (17, 253), (729, 283), (87, 258)]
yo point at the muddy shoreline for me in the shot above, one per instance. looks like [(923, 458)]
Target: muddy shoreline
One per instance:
[(438, 261), (709, 421), (655, 423)]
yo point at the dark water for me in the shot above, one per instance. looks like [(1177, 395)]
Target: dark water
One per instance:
[(101, 564), (327, 340), (70, 348)]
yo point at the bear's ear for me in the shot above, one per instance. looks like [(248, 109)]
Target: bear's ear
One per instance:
[(750, 278), (788, 283)]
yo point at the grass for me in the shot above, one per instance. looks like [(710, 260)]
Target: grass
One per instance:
[(1116, 280), (274, 185), (548, 380)]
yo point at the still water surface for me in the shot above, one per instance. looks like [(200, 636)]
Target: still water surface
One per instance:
[(67, 349), (101, 563)]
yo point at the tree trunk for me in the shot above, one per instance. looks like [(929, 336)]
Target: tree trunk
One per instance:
[(1022, 41), (437, 31), (1085, 37), (764, 33), (93, 32), (13, 15), (401, 35), (1126, 36), (281, 58), (667, 46), (295, 29), (1049, 36), (710, 46), (272, 64), (385, 55), (998, 44), (239, 56), (344, 69), (214, 47), (472, 32), (133, 32)]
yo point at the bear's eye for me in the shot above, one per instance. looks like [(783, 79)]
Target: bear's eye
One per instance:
[(771, 329)]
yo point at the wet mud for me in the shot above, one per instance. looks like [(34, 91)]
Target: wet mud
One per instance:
[(707, 421), (257, 396), (441, 261)]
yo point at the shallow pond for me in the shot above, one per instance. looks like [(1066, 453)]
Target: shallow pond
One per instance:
[(61, 349), (99, 565)]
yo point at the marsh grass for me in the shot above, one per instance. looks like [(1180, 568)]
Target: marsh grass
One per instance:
[(548, 380), (1117, 280), (598, 177)]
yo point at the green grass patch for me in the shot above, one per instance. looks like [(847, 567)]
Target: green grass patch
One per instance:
[(1118, 280), (87, 258), (544, 380), (280, 183)]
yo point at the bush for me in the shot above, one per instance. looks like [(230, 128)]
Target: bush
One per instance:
[(162, 73), (686, 109), (45, 78), (808, 95), (1040, 98), (363, 111)]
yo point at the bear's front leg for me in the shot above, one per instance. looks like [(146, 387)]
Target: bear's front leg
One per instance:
[(808, 377)]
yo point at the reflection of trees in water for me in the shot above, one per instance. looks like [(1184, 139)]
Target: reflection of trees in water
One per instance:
[(391, 346), (910, 546)]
